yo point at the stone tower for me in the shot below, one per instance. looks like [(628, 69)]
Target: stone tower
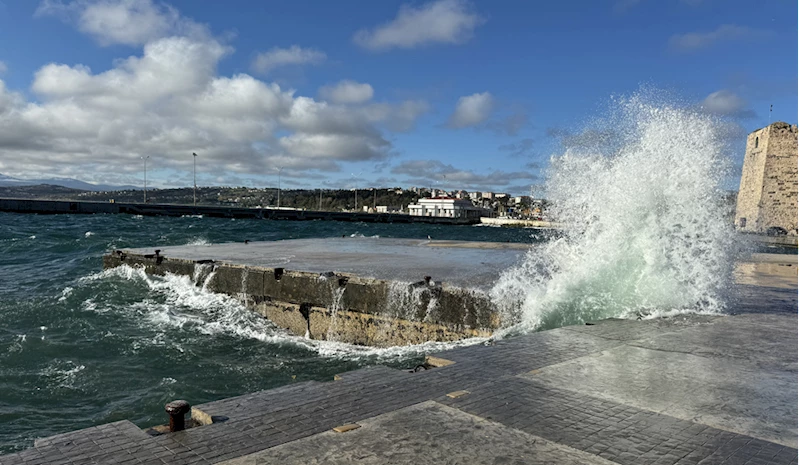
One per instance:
[(767, 196)]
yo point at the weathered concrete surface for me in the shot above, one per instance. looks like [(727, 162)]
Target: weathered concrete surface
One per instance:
[(474, 265)]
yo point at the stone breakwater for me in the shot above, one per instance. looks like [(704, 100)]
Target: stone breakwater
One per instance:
[(338, 306)]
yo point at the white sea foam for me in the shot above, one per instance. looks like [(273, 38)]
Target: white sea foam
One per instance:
[(61, 374), (65, 293), (198, 241), (646, 229), (88, 234)]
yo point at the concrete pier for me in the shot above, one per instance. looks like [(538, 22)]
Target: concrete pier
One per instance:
[(76, 207), (684, 390), (367, 291)]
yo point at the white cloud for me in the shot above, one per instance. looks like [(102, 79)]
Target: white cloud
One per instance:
[(440, 21), (471, 110), (295, 55), (169, 102), (429, 171), (3, 67), (726, 103), (128, 22), (347, 92), (725, 33), (400, 117)]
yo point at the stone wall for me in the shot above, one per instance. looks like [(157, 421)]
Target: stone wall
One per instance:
[(339, 307), (768, 192)]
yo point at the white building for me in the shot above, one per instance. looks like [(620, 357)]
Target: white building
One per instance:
[(387, 209), (448, 208)]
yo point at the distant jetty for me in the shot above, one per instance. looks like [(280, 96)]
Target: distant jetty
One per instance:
[(49, 207)]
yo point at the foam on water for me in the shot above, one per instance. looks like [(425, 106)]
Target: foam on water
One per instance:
[(198, 241), (647, 233)]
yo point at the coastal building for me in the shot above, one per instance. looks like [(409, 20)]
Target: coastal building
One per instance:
[(387, 209), (767, 198), (487, 196), (447, 207)]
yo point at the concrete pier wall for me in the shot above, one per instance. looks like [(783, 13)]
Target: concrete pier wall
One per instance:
[(81, 207), (336, 306)]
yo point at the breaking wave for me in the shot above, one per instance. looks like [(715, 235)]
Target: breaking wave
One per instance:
[(646, 234)]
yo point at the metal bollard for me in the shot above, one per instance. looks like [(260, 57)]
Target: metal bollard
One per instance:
[(177, 409)]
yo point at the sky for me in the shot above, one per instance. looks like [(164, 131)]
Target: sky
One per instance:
[(453, 94)]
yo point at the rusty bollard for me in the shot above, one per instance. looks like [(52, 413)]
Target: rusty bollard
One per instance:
[(177, 409)]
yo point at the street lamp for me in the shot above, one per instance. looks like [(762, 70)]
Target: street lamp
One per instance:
[(354, 181), (195, 177), (279, 170), (145, 177)]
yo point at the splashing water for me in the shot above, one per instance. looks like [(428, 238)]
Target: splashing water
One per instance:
[(645, 232)]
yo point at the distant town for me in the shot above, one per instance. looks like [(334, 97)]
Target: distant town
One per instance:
[(420, 201)]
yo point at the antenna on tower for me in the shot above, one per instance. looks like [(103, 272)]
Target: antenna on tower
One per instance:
[(770, 107)]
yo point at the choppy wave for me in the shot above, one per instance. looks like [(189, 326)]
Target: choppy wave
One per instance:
[(646, 229), (198, 241)]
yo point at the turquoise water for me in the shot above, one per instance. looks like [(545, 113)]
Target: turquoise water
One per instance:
[(81, 347)]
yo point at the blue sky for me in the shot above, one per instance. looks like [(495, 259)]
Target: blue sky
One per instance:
[(449, 93)]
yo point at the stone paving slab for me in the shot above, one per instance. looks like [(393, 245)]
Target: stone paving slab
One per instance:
[(426, 433), (770, 342), (621, 433), (728, 394)]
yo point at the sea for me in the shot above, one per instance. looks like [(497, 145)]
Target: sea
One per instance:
[(80, 346)]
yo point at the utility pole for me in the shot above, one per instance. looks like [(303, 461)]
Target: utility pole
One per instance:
[(195, 178), (320, 199), (279, 171), (354, 180), (145, 177), (374, 201)]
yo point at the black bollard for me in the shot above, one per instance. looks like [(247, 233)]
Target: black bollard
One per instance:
[(177, 410)]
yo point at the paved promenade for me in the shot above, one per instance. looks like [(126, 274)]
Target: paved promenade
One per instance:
[(685, 390)]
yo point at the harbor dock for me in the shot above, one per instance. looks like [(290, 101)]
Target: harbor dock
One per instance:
[(53, 207), (687, 389)]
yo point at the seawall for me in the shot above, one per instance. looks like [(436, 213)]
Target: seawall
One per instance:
[(327, 305), (83, 207)]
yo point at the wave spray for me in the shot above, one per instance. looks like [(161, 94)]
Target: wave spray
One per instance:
[(645, 225)]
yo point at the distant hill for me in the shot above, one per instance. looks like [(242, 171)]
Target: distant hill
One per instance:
[(39, 191), (8, 181)]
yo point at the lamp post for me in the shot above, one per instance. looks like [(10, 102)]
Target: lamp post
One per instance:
[(145, 177), (194, 157), (279, 170), (320, 199), (354, 181)]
